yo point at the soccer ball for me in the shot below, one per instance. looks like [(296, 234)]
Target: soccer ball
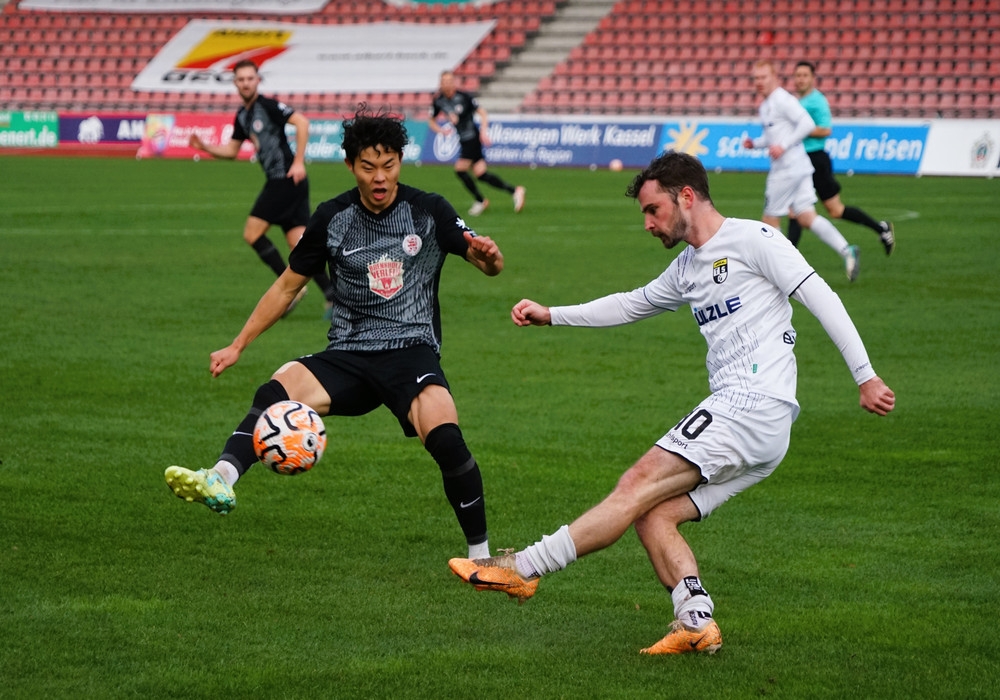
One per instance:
[(289, 437)]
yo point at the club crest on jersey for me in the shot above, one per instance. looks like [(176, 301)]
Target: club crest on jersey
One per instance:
[(412, 244), (720, 270), (385, 277), (258, 125)]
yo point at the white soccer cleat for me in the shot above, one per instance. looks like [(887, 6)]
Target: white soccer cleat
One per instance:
[(478, 207), (888, 237), (518, 195)]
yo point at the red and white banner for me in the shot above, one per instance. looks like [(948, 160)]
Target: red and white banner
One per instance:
[(270, 7), (301, 58), (167, 135)]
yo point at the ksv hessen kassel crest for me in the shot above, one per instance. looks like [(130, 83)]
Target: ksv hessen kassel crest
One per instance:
[(720, 270), (385, 277)]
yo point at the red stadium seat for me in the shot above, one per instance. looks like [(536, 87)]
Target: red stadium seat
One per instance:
[(859, 45)]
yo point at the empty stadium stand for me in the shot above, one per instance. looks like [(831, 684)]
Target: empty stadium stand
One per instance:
[(87, 61), (892, 58)]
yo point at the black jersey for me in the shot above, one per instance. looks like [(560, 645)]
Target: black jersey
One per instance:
[(385, 267), (264, 124), (463, 106)]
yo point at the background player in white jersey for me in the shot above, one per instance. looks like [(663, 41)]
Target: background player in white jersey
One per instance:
[(385, 244), (789, 190), (737, 276), (826, 184)]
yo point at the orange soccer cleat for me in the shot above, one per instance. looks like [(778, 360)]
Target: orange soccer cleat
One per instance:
[(684, 640), (495, 574)]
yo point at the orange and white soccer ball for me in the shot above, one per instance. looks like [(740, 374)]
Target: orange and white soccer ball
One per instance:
[(289, 437)]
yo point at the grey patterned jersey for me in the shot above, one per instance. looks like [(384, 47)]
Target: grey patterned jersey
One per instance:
[(385, 267), (264, 124), (463, 106)]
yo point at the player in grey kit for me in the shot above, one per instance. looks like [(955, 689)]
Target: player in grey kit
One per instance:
[(284, 201), (461, 110), (385, 243)]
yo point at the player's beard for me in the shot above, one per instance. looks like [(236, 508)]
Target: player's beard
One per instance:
[(677, 232)]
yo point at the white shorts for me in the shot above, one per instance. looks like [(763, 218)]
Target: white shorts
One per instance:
[(734, 444), (789, 195)]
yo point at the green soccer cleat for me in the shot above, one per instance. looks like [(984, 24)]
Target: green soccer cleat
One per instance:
[(204, 486), (852, 262)]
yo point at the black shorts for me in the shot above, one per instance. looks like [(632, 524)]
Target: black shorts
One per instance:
[(360, 382), (471, 150), (283, 203), (823, 180)]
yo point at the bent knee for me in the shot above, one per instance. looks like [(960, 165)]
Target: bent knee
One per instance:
[(667, 516), (302, 385)]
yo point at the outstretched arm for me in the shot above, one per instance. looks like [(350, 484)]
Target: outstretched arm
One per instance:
[(226, 151), (815, 294), (484, 254), (612, 310), (269, 309)]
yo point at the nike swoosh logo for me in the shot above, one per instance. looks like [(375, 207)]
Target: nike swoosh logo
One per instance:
[(424, 376), (352, 251), (470, 503), (474, 578)]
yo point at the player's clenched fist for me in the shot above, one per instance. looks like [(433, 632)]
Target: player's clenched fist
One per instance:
[(529, 313)]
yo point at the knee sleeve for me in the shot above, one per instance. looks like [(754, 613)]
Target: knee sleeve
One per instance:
[(463, 483), (267, 394), (447, 446), (263, 245)]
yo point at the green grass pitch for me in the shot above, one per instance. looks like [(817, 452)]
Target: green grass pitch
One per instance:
[(865, 567)]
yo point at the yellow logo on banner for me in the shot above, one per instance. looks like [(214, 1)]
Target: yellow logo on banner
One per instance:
[(221, 49)]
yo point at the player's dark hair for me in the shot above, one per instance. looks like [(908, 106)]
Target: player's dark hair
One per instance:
[(368, 129), (807, 64), (246, 63), (673, 171)]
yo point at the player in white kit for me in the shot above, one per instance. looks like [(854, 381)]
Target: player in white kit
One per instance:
[(789, 190), (736, 276)]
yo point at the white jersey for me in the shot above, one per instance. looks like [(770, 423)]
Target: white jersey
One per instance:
[(737, 286), (787, 124)]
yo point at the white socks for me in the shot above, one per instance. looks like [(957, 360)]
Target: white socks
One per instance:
[(692, 604), (227, 471), (479, 551), (829, 234), (553, 553)]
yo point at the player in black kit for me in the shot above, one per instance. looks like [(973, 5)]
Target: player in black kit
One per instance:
[(385, 243), (284, 201), (460, 110)]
